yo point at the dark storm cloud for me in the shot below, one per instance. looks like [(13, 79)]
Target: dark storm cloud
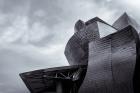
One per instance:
[(33, 32)]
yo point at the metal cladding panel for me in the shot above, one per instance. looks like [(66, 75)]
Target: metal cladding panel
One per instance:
[(98, 78), (76, 50), (124, 21), (79, 26), (111, 64), (123, 62)]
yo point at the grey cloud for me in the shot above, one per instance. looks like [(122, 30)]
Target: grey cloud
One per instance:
[(56, 19)]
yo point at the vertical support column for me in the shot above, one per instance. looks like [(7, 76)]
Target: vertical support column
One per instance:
[(63, 86), (59, 87)]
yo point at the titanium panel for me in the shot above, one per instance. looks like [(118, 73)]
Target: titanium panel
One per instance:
[(124, 21), (111, 65), (76, 50), (98, 77), (79, 26)]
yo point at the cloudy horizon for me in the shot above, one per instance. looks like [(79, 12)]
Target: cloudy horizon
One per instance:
[(33, 33)]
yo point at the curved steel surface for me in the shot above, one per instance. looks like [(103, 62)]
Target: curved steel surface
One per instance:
[(76, 50), (111, 65)]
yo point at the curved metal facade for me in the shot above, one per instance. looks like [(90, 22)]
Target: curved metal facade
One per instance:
[(76, 50), (111, 64)]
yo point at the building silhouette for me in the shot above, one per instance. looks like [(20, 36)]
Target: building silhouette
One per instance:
[(103, 58)]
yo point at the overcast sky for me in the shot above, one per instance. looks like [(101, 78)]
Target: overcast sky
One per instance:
[(33, 33)]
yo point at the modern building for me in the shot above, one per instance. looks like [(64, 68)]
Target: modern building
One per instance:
[(103, 58)]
